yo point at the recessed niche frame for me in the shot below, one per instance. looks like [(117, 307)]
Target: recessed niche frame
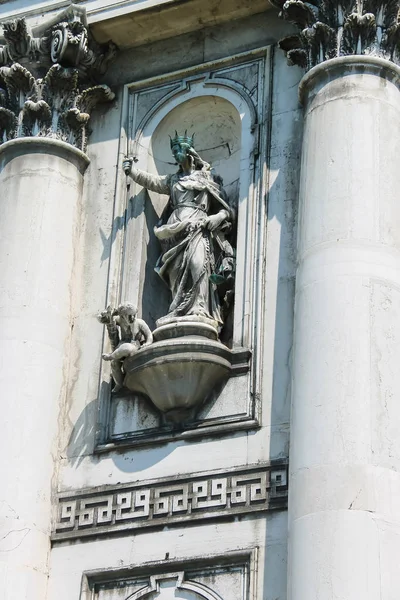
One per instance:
[(189, 576), (226, 104)]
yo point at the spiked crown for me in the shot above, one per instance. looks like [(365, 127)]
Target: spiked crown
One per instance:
[(182, 139)]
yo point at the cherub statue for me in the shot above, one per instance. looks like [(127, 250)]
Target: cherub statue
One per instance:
[(127, 335)]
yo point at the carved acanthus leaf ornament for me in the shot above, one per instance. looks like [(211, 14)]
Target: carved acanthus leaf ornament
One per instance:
[(47, 81), (331, 28)]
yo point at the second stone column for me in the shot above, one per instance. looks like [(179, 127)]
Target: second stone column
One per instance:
[(344, 509)]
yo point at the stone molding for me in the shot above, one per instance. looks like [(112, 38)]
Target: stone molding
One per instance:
[(202, 574), (332, 28), (181, 584), (109, 9), (171, 501), (322, 74), (32, 145), (155, 586), (46, 80)]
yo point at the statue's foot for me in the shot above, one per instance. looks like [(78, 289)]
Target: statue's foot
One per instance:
[(117, 388), (106, 356)]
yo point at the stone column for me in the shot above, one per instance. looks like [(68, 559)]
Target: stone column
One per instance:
[(41, 187), (344, 490), (43, 136)]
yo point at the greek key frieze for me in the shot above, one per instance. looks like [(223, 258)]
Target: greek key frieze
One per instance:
[(172, 501)]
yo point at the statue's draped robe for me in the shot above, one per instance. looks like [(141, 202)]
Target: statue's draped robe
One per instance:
[(187, 258)]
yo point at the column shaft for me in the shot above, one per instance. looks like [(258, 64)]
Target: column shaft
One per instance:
[(344, 527), (41, 187)]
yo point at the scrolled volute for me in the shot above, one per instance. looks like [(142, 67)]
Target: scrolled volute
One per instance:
[(64, 40), (48, 77)]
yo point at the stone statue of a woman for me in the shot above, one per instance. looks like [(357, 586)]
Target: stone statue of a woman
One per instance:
[(191, 231)]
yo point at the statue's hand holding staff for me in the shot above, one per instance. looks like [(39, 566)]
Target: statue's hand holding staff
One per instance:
[(127, 164), (192, 152)]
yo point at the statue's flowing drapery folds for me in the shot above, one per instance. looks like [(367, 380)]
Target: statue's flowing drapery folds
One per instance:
[(188, 248)]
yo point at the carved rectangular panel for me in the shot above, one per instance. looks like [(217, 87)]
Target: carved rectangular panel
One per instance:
[(227, 104), (111, 509), (231, 576)]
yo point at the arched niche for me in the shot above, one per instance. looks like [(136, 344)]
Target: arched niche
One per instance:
[(216, 125), (223, 118), (226, 101)]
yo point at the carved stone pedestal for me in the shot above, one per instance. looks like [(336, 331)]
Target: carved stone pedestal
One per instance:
[(181, 368), (191, 325)]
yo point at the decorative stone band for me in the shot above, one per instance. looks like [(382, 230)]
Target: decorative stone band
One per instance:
[(171, 501), (332, 28), (336, 69)]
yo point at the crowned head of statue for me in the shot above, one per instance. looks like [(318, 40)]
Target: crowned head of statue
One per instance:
[(181, 145)]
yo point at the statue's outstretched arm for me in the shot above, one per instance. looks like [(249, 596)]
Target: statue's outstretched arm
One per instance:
[(154, 183), (107, 318)]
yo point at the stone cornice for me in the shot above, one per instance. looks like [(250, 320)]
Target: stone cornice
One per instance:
[(106, 9), (330, 28), (46, 78)]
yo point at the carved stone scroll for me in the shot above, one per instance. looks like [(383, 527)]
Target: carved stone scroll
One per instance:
[(64, 40), (332, 28), (46, 80)]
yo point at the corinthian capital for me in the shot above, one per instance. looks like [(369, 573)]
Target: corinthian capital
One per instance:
[(331, 28), (47, 78)]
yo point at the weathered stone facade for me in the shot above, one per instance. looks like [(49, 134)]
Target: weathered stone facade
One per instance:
[(230, 430)]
